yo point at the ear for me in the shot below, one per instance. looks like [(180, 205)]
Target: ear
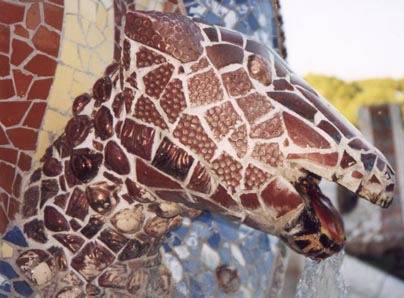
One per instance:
[(172, 34)]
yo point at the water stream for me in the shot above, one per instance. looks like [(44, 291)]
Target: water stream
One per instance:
[(322, 279)]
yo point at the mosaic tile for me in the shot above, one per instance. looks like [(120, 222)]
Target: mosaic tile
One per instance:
[(16, 237)]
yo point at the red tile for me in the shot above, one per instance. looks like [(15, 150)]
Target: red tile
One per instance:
[(17, 186), (60, 2), (3, 137), (9, 155), (23, 138), (41, 65), (4, 66), (13, 207), (22, 82), (3, 218), (46, 41), (12, 112), (6, 89), (40, 89), (14, 12), (20, 51), (53, 15), (33, 16), (4, 198), (24, 162), (4, 39), (21, 31), (35, 115), (6, 176)]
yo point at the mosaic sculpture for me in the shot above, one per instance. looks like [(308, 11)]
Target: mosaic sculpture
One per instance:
[(194, 117)]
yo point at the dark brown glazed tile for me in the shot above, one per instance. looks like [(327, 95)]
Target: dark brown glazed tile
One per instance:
[(200, 180), (295, 103), (231, 36), (23, 138), (250, 201), (12, 112), (22, 82), (54, 15), (33, 16), (35, 115), (222, 55), (40, 89), (6, 89), (137, 138), (20, 51), (46, 41), (15, 12), (258, 49), (4, 39), (41, 65), (150, 177)]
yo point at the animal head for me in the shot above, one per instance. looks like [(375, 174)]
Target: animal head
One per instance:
[(217, 121)]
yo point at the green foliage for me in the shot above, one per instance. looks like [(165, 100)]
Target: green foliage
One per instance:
[(347, 97)]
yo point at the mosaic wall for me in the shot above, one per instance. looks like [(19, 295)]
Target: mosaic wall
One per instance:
[(53, 50)]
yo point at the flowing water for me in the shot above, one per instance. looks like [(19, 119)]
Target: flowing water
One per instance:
[(322, 279)]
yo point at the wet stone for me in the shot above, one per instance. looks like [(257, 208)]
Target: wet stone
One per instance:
[(95, 224), (85, 164), (103, 123), (115, 159), (129, 220), (52, 167), (35, 230), (92, 260), (102, 197), (77, 129), (70, 241), (49, 189), (172, 160), (31, 200), (80, 102), (133, 249), (115, 277), (78, 205), (54, 220), (102, 89), (114, 240)]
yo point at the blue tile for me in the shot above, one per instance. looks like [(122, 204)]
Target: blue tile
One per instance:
[(196, 290), (201, 229), (5, 286), (248, 253), (227, 229), (225, 255), (208, 282), (167, 247), (252, 21), (181, 289), (21, 287), (16, 237), (206, 218), (191, 266), (214, 240), (7, 270), (3, 296), (181, 231), (213, 19), (176, 241)]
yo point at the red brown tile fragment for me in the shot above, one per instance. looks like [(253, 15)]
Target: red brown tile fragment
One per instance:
[(204, 88), (280, 197), (268, 153), (173, 100), (147, 111), (255, 178), (268, 129), (156, 80), (325, 159), (17, 185), (54, 220), (41, 65), (20, 51), (40, 89), (237, 82), (259, 69), (13, 208), (201, 64), (146, 58), (34, 117), (258, 49), (22, 81), (3, 220), (4, 66), (330, 130), (8, 155), (231, 36), (177, 36), (295, 103), (33, 16), (46, 41), (12, 112), (250, 201), (53, 15), (347, 161), (15, 12), (7, 173), (282, 85), (3, 138), (211, 33), (6, 89), (137, 138), (24, 162), (200, 180), (4, 39), (21, 31), (238, 139), (222, 119), (228, 170), (222, 55), (190, 132), (149, 176), (224, 199), (302, 134), (23, 138), (115, 159), (254, 106)]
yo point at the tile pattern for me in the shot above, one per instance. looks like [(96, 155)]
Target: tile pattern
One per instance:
[(122, 175)]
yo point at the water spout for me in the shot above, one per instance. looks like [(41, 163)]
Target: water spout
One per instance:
[(322, 279)]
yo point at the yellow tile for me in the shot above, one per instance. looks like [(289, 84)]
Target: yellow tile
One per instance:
[(88, 9), (94, 36), (59, 98), (105, 52), (71, 6), (54, 121), (43, 144), (70, 54), (82, 82), (110, 18), (97, 66), (84, 54), (6, 251), (73, 30), (101, 17), (107, 3), (85, 25)]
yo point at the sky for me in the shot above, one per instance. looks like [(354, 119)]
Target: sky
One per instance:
[(349, 39)]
